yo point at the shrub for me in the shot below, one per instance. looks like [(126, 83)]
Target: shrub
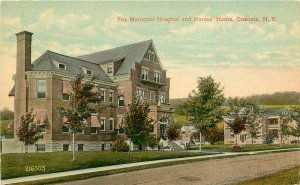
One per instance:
[(120, 145), (236, 148)]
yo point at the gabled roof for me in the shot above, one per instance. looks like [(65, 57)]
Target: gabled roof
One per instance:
[(73, 65), (130, 53)]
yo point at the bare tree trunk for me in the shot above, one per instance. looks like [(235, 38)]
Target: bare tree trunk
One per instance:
[(129, 149), (73, 140), (200, 139), (236, 140)]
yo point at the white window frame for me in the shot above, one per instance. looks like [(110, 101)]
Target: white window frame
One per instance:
[(103, 90), (40, 145), (145, 73), (80, 132), (64, 66), (102, 120), (113, 123), (140, 94), (66, 125), (157, 77), (162, 98), (108, 66), (151, 56), (111, 96), (151, 96), (93, 132), (122, 100), (38, 88), (92, 72)]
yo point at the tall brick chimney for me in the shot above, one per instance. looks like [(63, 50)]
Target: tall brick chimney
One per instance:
[(23, 65)]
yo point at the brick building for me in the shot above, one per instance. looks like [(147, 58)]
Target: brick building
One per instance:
[(121, 73)]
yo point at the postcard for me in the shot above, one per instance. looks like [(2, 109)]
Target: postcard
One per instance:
[(150, 92)]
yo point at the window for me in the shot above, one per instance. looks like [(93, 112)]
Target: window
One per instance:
[(151, 56), (102, 147), (102, 124), (273, 121), (40, 147), (156, 77), (144, 74), (163, 98), (66, 96), (65, 147), (89, 72), (102, 95), (243, 137), (42, 128), (111, 97), (62, 66), (140, 94), (152, 95), (80, 131), (231, 135), (80, 147), (111, 124), (93, 130), (121, 101), (41, 88), (65, 128), (110, 69)]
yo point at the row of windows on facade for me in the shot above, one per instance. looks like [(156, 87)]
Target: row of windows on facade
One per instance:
[(145, 75), (66, 147), (94, 129), (140, 95), (42, 86)]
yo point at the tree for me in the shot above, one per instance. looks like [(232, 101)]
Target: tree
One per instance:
[(204, 106), (6, 114), (253, 123), (213, 135), (79, 109), (28, 131), (120, 145), (295, 115), (285, 128), (138, 126), (173, 133), (237, 117)]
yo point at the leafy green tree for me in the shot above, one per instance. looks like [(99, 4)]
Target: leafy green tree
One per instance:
[(213, 135), (120, 145), (253, 122), (285, 127), (6, 114), (237, 116), (204, 106), (138, 125), (295, 115), (28, 131), (79, 108)]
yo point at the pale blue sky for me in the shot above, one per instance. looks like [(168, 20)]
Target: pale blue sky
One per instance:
[(246, 57)]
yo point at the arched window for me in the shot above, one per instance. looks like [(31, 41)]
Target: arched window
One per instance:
[(163, 125), (121, 101)]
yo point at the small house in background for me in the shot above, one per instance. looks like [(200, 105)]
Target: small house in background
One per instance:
[(269, 130)]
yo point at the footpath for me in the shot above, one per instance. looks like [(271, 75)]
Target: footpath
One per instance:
[(120, 166)]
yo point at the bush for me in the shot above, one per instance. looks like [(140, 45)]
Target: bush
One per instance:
[(236, 148), (120, 145)]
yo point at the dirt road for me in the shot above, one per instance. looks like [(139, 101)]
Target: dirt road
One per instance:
[(215, 171)]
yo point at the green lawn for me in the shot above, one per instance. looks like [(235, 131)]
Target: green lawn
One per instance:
[(247, 148), (286, 177), (13, 165), (5, 131)]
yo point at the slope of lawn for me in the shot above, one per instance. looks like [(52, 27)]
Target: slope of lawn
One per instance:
[(15, 165), (290, 176)]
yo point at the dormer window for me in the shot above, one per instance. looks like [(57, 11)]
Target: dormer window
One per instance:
[(89, 72), (110, 69), (62, 66)]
